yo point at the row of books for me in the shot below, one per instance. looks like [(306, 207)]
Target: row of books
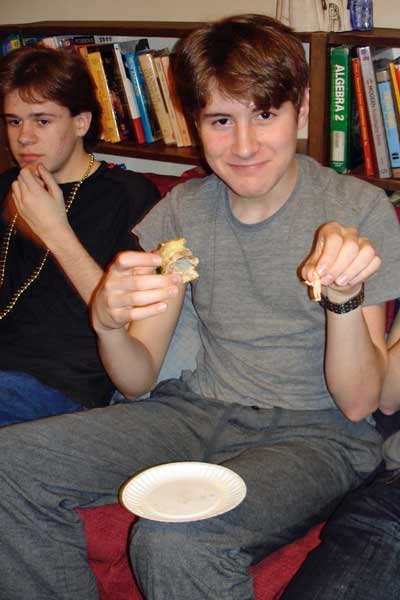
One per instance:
[(365, 110), (135, 86)]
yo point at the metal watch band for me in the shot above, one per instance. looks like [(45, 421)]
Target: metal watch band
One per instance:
[(343, 307)]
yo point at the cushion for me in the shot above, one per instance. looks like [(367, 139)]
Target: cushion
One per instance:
[(165, 183), (107, 529)]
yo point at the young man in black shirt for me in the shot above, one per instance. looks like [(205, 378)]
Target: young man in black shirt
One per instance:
[(64, 215)]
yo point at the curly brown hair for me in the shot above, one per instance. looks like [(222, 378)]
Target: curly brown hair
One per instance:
[(40, 73)]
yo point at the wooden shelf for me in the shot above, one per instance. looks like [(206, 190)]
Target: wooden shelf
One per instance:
[(156, 151), (391, 184), (159, 151), (173, 29), (377, 37)]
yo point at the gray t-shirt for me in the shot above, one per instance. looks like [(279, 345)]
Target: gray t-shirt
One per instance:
[(262, 338)]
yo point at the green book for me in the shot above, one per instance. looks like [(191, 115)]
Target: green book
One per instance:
[(340, 108)]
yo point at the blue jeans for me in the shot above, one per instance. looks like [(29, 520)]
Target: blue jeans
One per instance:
[(24, 398), (297, 465), (359, 556)]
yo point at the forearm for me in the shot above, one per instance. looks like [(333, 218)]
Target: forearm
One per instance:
[(81, 269), (134, 320), (128, 362), (354, 365)]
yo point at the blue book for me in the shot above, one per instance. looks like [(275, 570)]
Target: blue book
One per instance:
[(389, 116), (11, 42), (150, 124)]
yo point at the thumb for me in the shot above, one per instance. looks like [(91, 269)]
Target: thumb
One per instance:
[(310, 264)]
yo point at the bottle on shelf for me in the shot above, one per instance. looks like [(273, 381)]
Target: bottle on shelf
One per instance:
[(361, 15)]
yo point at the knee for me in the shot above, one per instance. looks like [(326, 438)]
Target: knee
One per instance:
[(193, 548), (161, 544)]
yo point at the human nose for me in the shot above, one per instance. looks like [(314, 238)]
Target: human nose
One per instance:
[(245, 142), (26, 134)]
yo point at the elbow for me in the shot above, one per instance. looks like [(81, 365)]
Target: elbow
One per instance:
[(361, 407), (359, 399), (356, 415)]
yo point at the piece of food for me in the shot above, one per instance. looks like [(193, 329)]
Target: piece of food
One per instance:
[(315, 284), (177, 258)]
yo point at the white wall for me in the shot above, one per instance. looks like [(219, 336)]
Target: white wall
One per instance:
[(387, 12), (158, 10)]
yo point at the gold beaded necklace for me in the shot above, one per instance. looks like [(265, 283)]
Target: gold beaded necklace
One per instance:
[(6, 244)]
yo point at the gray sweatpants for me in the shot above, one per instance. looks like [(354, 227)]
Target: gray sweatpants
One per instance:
[(296, 465)]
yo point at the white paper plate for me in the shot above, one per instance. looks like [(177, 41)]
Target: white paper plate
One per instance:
[(183, 491)]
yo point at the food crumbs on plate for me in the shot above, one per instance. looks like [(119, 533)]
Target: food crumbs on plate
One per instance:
[(315, 284)]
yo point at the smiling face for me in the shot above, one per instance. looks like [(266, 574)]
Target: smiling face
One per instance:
[(46, 133), (252, 150)]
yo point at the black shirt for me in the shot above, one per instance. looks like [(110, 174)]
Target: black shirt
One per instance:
[(47, 334)]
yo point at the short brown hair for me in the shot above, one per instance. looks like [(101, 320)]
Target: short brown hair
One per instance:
[(61, 76), (249, 57)]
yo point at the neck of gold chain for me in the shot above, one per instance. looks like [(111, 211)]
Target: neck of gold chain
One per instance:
[(7, 240)]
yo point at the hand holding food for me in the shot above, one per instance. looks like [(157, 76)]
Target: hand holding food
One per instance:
[(340, 261), (177, 258)]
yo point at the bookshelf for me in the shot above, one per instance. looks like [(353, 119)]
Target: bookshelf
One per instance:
[(378, 37), (313, 145), (319, 43)]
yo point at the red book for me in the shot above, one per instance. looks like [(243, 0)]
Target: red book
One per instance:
[(366, 140)]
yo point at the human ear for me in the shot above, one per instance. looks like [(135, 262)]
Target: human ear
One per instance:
[(304, 109), (82, 123)]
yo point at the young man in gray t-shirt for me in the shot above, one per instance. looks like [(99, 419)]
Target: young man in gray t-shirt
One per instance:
[(282, 386)]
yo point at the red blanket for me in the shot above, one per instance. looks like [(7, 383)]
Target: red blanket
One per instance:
[(107, 531)]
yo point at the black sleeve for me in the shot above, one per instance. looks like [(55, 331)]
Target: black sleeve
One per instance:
[(118, 200)]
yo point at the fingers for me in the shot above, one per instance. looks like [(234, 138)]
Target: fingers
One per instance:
[(27, 182), (132, 290), (341, 257), (30, 177), (126, 261), (16, 192)]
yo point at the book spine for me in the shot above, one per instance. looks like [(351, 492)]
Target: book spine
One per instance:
[(394, 71), (389, 119), (339, 109), (138, 86), (11, 42), (136, 122), (116, 89), (168, 101), (146, 61), (183, 126), (49, 42), (365, 135), (110, 129), (374, 112)]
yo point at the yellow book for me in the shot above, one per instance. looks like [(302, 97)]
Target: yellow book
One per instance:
[(146, 61), (108, 120), (395, 88), (187, 139), (167, 97)]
